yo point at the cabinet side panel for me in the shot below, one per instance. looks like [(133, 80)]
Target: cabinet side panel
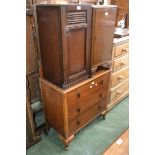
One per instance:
[(53, 107), (50, 43)]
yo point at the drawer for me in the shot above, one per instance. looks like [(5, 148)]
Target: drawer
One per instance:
[(86, 116), (119, 77), (120, 63), (121, 49), (119, 91), (87, 95)]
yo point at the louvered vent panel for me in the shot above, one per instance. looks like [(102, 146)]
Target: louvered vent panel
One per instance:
[(76, 17)]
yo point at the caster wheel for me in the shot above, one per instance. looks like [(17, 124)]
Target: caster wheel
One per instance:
[(103, 117), (66, 148)]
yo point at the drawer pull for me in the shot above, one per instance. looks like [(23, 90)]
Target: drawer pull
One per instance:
[(122, 63), (78, 122), (100, 96), (99, 107), (120, 78), (78, 109), (95, 84), (101, 83), (124, 49), (78, 95), (118, 92), (90, 86)]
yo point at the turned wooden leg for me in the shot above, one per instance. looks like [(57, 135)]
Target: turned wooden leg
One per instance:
[(93, 70), (46, 129), (67, 141), (45, 132), (103, 114)]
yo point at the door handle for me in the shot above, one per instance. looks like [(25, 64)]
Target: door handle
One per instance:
[(67, 31)]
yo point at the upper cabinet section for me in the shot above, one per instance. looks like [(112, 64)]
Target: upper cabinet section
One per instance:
[(65, 38)]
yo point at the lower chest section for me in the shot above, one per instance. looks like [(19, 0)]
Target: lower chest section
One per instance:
[(87, 101)]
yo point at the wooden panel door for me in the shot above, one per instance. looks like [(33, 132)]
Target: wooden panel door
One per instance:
[(103, 33), (76, 35)]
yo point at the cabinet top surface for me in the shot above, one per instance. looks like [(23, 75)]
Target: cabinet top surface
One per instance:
[(98, 74), (104, 6), (50, 5), (117, 40), (93, 6)]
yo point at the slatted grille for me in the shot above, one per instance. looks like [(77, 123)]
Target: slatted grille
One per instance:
[(76, 17)]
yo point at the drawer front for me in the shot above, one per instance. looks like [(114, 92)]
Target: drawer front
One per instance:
[(87, 95), (120, 63), (116, 93), (82, 119), (119, 77), (94, 92), (121, 49)]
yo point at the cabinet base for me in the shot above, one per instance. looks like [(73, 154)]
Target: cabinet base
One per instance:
[(103, 114), (67, 141), (104, 66)]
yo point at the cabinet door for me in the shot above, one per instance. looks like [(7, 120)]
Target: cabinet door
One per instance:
[(76, 42), (103, 32)]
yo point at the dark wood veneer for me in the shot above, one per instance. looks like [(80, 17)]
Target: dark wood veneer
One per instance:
[(65, 36), (103, 24)]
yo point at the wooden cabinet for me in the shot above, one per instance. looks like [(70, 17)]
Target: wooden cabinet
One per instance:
[(69, 110), (120, 71), (103, 24), (64, 37)]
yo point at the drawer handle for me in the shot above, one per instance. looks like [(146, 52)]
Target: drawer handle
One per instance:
[(122, 63), (90, 86), (95, 84), (101, 83), (78, 109), (100, 96), (78, 95), (120, 78), (99, 107), (124, 49), (118, 92), (78, 122)]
